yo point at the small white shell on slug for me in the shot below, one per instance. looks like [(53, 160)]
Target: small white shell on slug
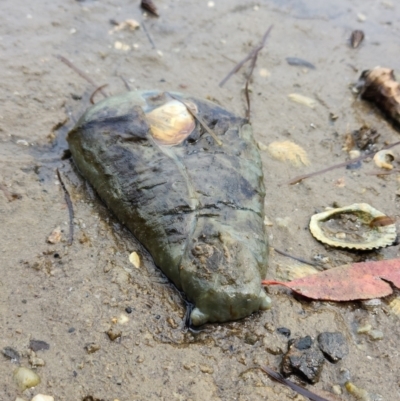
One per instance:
[(171, 123)]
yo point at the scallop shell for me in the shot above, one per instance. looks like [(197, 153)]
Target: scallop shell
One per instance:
[(171, 123), (350, 227)]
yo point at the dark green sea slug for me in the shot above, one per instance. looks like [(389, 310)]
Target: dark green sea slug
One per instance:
[(197, 206)]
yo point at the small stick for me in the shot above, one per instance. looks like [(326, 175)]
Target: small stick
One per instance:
[(95, 92), (148, 35), (70, 209), (80, 72), (300, 390), (300, 178), (288, 255), (247, 58), (246, 88), (128, 88), (198, 118)]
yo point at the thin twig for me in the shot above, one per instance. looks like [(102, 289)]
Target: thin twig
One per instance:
[(288, 255), (300, 178), (300, 390), (70, 209), (81, 73), (148, 35), (194, 113), (95, 92), (246, 88), (247, 58), (128, 88)]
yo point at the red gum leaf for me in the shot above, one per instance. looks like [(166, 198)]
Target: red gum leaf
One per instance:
[(348, 282)]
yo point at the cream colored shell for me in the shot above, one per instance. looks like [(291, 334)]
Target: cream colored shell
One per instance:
[(360, 235), (171, 123)]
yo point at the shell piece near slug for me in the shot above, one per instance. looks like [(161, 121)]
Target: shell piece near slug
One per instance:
[(171, 123), (353, 227), (383, 158)]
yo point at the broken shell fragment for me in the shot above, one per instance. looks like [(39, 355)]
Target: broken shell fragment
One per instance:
[(383, 158), (171, 123), (350, 227)]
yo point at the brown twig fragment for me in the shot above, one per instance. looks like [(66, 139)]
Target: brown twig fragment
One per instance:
[(96, 91), (300, 178), (288, 255), (250, 56), (70, 209), (300, 390), (80, 73)]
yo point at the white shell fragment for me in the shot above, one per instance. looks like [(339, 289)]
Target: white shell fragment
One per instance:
[(383, 158), (42, 397), (307, 101), (135, 259), (171, 123), (352, 227)]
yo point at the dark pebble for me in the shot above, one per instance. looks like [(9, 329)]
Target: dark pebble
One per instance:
[(300, 62), (333, 345), (11, 353), (284, 331), (306, 363), (38, 345), (301, 343), (71, 329), (128, 309)]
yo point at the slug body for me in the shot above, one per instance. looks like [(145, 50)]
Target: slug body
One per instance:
[(197, 207)]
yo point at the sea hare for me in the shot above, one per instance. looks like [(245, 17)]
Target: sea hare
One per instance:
[(196, 205)]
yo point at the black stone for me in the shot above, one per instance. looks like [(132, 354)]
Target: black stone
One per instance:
[(11, 353), (128, 309), (305, 363), (38, 345), (333, 345), (301, 343), (284, 331)]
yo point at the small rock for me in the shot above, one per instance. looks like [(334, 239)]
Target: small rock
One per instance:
[(55, 236), (91, 348), (35, 361), (306, 363), (11, 353), (172, 323), (114, 333), (189, 366), (302, 343), (20, 399), (26, 378), (333, 345), (336, 389), (128, 309), (250, 338), (135, 259), (364, 328), (375, 335), (38, 345), (284, 331), (140, 359), (206, 369), (42, 397)]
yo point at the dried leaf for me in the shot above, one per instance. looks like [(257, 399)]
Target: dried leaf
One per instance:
[(289, 151), (366, 280)]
